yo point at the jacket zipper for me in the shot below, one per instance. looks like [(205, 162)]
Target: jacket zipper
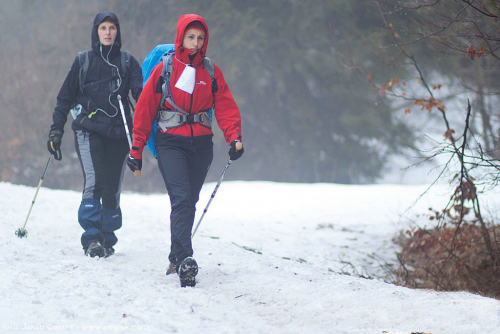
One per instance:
[(191, 107)]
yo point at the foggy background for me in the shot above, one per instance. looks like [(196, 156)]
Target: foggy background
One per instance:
[(297, 70)]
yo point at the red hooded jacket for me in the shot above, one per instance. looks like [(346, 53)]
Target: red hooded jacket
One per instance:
[(226, 111)]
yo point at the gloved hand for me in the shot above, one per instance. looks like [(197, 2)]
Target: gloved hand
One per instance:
[(234, 153), (54, 143), (133, 163)]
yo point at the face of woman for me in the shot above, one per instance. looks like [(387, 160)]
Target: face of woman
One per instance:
[(193, 40), (107, 33)]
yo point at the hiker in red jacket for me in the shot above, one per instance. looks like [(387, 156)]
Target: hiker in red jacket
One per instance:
[(184, 137)]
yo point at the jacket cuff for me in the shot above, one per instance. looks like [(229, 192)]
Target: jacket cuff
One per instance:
[(54, 131), (235, 137), (136, 151)]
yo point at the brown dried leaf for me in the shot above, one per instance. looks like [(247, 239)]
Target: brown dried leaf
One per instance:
[(449, 134), (481, 51), (471, 52)]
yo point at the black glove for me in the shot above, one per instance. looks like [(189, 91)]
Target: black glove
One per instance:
[(235, 154), (54, 143), (133, 163)]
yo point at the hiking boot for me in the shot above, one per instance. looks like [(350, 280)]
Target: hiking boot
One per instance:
[(94, 249), (172, 269), (188, 269), (109, 251)]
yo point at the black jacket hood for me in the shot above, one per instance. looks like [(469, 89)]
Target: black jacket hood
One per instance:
[(96, 45)]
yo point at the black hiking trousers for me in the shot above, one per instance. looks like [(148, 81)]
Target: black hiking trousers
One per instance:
[(103, 165), (184, 163)]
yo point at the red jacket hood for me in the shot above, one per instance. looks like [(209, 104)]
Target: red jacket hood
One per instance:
[(183, 53)]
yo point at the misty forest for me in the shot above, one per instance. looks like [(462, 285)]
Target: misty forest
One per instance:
[(329, 90)]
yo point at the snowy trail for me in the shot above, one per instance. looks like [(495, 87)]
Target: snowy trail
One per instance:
[(47, 284)]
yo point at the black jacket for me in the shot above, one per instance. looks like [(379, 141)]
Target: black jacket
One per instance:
[(99, 96)]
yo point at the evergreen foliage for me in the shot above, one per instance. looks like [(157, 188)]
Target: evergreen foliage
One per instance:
[(293, 67)]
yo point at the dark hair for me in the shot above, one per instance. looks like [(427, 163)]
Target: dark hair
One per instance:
[(108, 19)]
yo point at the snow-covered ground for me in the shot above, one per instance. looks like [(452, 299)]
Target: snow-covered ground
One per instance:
[(270, 257)]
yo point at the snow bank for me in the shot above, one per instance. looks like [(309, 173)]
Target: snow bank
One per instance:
[(269, 254)]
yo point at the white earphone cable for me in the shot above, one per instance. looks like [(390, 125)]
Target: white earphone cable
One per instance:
[(118, 82)]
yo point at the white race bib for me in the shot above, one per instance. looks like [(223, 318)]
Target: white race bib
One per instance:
[(186, 80)]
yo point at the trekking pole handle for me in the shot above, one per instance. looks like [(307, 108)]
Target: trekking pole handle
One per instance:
[(137, 173), (238, 146)]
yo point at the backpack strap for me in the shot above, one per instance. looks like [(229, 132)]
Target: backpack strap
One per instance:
[(209, 66), (165, 76), (166, 93), (174, 118), (83, 58), (125, 59)]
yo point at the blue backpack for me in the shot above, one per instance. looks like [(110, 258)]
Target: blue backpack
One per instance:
[(164, 52)]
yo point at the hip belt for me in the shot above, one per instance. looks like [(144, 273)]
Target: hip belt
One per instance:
[(168, 119)]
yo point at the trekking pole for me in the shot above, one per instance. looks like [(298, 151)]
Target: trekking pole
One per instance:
[(238, 147), (21, 232), (137, 173)]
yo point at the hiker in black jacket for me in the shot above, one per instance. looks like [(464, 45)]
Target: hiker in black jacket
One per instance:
[(90, 90)]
